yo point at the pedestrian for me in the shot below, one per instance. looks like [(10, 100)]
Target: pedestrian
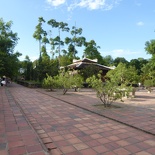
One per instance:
[(3, 82), (0, 80)]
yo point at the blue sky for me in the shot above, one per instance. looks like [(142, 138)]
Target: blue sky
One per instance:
[(119, 27)]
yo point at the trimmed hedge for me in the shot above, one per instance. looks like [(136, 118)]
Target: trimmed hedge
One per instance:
[(29, 84)]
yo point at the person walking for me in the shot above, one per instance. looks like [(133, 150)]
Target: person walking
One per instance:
[(3, 82)]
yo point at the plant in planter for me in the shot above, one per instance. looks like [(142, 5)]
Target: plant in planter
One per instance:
[(107, 91), (148, 84), (65, 80), (148, 75), (118, 83), (125, 77), (68, 80), (50, 82)]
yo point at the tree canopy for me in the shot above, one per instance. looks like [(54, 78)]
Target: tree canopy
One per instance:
[(150, 47), (9, 63)]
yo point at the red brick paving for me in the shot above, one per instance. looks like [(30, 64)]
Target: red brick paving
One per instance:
[(131, 111), (34, 123), (16, 135)]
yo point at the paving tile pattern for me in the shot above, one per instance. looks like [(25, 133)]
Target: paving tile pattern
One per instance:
[(64, 128), (137, 112), (16, 134)]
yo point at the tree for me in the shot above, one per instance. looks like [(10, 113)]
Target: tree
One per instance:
[(150, 47), (138, 64), (120, 59), (118, 82), (69, 80), (106, 92), (27, 68), (9, 63), (108, 60), (148, 74), (148, 70), (89, 71), (45, 65), (57, 40), (123, 75), (64, 60), (39, 33), (51, 82), (74, 41), (65, 80), (91, 51)]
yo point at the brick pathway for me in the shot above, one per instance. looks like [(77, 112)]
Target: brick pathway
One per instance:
[(34, 123), (138, 112), (16, 133)]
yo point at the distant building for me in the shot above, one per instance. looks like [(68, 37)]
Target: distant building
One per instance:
[(80, 64)]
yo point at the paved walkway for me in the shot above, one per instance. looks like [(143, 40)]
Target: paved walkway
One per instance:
[(34, 123), (138, 112)]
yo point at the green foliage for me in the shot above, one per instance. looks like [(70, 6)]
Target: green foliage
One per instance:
[(75, 40), (148, 83), (148, 70), (9, 63), (64, 80), (123, 75), (150, 47), (148, 74), (91, 51), (120, 60), (118, 82), (77, 81), (57, 42), (107, 92), (107, 60), (51, 82), (8, 39), (27, 68), (64, 60), (138, 64), (69, 80), (89, 71)]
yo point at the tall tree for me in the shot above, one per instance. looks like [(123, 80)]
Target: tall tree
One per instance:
[(150, 47), (120, 60), (91, 51), (138, 64), (9, 63), (75, 40), (39, 33), (148, 70), (27, 68), (108, 60), (57, 41)]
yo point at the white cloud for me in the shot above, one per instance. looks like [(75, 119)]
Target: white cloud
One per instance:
[(137, 2), (89, 4), (97, 4), (55, 2), (140, 23), (92, 4), (126, 53)]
